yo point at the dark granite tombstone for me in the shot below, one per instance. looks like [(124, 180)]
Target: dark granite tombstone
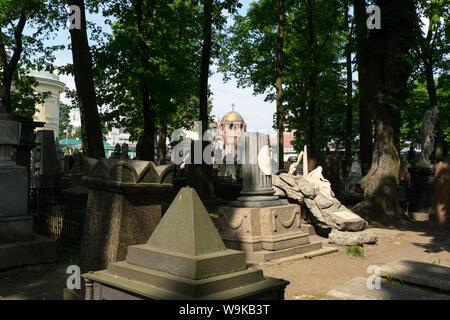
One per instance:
[(45, 164), (421, 195), (124, 206)]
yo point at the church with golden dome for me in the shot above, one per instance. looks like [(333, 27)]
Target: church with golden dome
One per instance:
[(230, 128)]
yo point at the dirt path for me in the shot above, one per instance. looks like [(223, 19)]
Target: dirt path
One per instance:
[(310, 279)]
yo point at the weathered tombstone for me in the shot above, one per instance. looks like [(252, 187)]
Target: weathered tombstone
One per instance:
[(116, 154), (259, 223), (18, 244), (353, 180), (44, 167), (185, 258), (124, 152), (123, 208)]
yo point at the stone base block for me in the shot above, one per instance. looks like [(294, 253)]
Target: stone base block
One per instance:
[(38, 250), (13, 191), (259, 257), (16, 229), (265, 233), (245, 285)]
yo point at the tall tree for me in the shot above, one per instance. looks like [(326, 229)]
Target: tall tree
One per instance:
[(279, 84), (387, 75), (84, 81), (365, 114), (349, 100), (431, 47)]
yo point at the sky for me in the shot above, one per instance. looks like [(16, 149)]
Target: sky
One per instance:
[(257, 113)]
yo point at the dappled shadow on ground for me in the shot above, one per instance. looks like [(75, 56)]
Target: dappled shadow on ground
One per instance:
[(40, 282), (439, 234)]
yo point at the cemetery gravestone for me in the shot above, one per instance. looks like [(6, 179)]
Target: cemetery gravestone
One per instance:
[(185, 258), (124, 206), (18, 244)]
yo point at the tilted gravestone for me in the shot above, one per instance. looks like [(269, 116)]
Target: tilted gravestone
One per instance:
[(185, 258)]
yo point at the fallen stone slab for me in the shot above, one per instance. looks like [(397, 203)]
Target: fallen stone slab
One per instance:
[(357, 289), (418, 273), (348, 238), (347, 220)]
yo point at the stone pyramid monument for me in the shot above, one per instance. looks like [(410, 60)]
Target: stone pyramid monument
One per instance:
[(185, 258)]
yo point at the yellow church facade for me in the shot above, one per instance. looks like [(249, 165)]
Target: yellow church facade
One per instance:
[(48, 112)]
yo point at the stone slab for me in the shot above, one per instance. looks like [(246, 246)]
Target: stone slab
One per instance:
[(356, 289), (39, 250), (348, 238), (307, 255), (185, 286), (418, 273), (16, 229), (270, 228), (108, 287), (263, 256), (9, 132), (13, 191)]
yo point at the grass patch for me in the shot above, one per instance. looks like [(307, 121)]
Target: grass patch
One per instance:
[(355, 250)]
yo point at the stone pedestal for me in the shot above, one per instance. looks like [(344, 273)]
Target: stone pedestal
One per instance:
[(265, 234), (124, 207), (185, 258), (18, 244), (259, 223), (421, 195)]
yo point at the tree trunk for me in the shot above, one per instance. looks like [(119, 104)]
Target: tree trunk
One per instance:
[(200, 175), (9, 67), (162, 143), (91, 132), (313, 145), (149, 112), (387, 83), (349, 109), (365, 122), (206, 57), (279, 84), (439, 153)]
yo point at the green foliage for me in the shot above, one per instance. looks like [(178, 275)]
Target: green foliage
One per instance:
[(173, 64), (250, 56), (355, 250), (64, 120)]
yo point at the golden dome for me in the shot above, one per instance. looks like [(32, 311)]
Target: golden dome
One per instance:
[(232, 116)]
